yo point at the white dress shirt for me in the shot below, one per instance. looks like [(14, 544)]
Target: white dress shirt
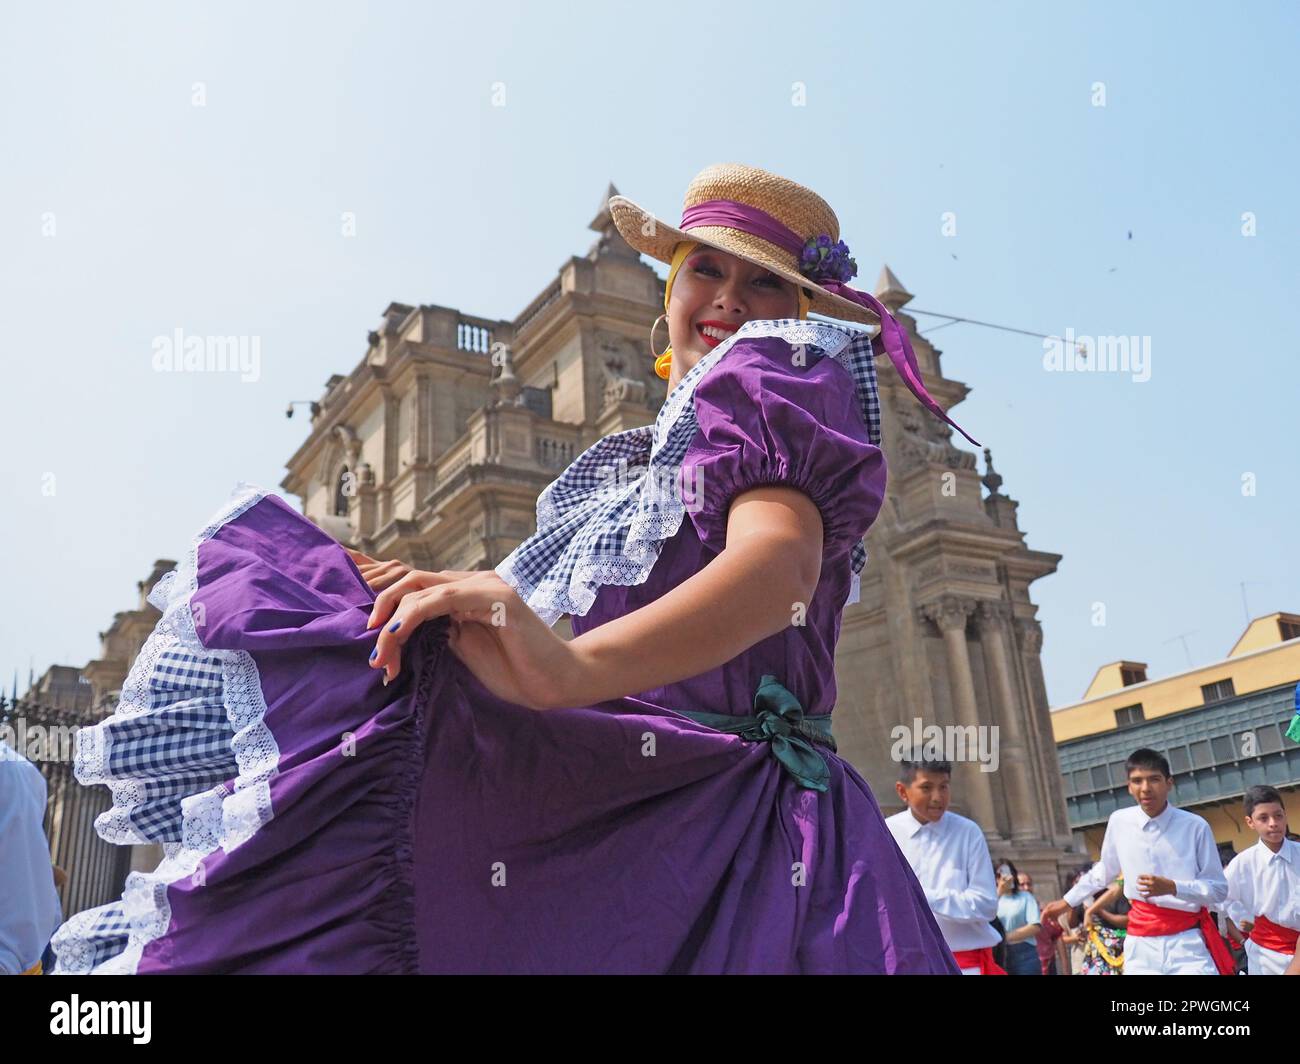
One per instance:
[(1176, 845), (951, 860), (29, 904), (1264, 883)]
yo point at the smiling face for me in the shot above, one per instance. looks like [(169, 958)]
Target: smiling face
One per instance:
[(714, 292), (927, 795)]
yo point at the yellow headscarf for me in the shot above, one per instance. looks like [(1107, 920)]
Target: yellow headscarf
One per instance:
[(663, 364)]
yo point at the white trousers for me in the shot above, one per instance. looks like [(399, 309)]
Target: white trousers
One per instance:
[(1263, 961), (1182, 954)]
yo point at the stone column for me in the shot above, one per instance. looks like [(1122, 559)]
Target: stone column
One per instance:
[(1013, 760), (388, 466), (421, 438), (950, 613), (1029, 636)]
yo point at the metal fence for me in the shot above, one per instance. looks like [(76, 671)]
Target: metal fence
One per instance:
[(46, 736)]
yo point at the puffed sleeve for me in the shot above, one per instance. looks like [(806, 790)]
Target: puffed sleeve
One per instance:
[(764, 419)]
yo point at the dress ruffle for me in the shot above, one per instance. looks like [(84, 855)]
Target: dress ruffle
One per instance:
[(185, 755), (190, 760)]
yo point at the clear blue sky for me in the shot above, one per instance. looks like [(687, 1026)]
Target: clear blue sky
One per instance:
[(225, 219)]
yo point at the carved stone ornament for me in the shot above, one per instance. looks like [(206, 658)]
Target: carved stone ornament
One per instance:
[(1030, 635), (925, 440), (991, 611), (949, 611), (622, 385)]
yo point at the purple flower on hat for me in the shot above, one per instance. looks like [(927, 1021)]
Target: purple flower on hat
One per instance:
[(821, 260)]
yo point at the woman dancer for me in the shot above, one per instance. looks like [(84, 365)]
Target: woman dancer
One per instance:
[(659, 794)]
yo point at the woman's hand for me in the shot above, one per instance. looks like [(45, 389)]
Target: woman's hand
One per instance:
[(493, 632), (378, 575)]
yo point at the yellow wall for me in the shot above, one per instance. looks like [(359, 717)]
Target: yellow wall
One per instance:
[(1254, 670), (1263, 632)]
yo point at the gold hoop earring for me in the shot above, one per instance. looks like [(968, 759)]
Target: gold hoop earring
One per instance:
[(657, 354), (664, 361)]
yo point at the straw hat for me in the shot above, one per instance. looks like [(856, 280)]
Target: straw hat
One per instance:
[(788, 229), (798, 209)]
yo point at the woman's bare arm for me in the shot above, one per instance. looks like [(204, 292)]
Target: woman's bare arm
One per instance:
[(1024, 933), (1098, 907), (761, 582)]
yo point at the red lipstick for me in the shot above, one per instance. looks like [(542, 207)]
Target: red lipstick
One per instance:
[(713, 341)]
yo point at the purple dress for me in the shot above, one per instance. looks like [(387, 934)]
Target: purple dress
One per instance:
[(318, 821)]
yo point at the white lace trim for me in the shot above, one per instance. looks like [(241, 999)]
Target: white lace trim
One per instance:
[(210, 818), (548, 513), (649, 528)]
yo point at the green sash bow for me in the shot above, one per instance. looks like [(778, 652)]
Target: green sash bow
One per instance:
[(779, 719)]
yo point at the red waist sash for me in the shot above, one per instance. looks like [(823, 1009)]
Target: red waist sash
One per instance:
[(1277, 937), (1147, 921), (978, 958)]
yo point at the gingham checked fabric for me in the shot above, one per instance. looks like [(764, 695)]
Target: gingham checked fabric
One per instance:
[(170, 738), (604, 520), (181, 745), (102, 935), (186, 756)]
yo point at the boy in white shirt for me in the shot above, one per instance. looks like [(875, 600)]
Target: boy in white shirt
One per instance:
[(1264, 886), (951, 860), (1172, 877)]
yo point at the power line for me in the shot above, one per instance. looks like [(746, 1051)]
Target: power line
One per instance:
[(955, 320), (938, 327)]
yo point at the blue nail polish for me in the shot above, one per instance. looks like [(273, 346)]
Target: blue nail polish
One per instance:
[(374, 654), (394, 626)]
